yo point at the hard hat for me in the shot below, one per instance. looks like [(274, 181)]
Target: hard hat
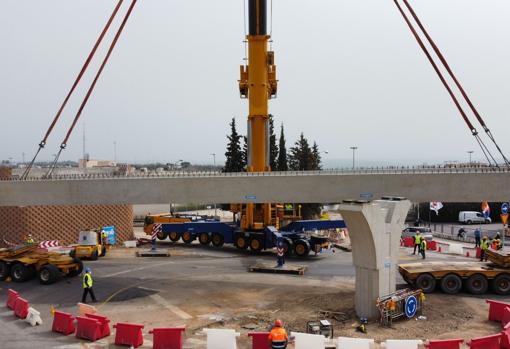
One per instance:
[(278, 323), (88, 270), (485, 237), (29, 235)]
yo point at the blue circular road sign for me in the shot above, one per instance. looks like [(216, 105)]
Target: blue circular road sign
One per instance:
[(504, 208), (411, 306)]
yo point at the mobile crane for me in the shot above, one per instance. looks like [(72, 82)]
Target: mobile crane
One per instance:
[(260, 225)]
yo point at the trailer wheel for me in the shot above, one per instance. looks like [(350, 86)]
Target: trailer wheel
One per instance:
[(477, 284), (217, 240), (73, 273), (256, 244), (161, 235), (241, 242), (204, 238), (174, 236), (451, 284), (48, 274), (4, 270), (426, 282), (19, 272), (95, 255), (301, 248), (187, 237), (501, 284)]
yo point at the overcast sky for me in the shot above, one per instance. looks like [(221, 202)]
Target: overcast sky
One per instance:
[(350, 74)]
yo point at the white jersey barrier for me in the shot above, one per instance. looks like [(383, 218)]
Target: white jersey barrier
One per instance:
[(221, 339), (354, 343), (308, 341), (401, 344)]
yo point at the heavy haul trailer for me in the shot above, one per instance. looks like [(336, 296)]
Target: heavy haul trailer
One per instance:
[(294, 236), (450, 277), (24, 262)]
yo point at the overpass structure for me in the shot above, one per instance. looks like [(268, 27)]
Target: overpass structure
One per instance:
[(375, 225), (332, 186)]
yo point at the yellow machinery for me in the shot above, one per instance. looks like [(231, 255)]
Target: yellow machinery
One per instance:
[(258, 83), (91, 244), (23, 262)]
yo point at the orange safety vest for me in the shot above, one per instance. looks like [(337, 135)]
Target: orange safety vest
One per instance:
[(278, 338)]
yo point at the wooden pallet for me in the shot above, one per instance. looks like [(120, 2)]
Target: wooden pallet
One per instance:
[(149, 253), (271, 268)]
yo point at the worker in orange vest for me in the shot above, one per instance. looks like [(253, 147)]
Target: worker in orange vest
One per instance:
[(278, 336)]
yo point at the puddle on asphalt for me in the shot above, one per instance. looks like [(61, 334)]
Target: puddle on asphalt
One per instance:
[(132, 293)]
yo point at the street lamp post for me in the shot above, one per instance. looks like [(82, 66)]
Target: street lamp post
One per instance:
[(214, 163), (470, 152), (115, 152), (353, 156)]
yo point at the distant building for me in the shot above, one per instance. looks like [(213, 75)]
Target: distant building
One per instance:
[(91, 163)]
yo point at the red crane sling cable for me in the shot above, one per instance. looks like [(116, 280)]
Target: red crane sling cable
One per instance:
[(454, 78), (77, 80), (91, 88), (445, 83)]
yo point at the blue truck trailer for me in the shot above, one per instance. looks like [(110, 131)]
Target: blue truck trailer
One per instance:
[(297, 237)]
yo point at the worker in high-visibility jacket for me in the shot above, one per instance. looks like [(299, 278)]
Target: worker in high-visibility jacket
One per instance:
[(29, 240), (417, 242), (280, 254), (278, 336), (484, 247), (87, 286), (423, 247)]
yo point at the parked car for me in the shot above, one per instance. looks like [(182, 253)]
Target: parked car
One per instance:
[(424, 231), (470, 217)]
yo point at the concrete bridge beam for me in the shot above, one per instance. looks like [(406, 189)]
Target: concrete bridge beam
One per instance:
[(374, 228)]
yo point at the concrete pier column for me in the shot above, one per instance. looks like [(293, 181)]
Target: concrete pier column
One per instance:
[(374, 228)]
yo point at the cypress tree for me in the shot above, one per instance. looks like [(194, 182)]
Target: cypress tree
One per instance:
[(234, 155), (282, 164), (273, 147)]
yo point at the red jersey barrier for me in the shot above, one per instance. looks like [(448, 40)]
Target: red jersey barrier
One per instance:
[(408, 241), (11, 298), (487, 342), (505, 337), (63, 323), (168, 338), (505, 319), (105, 323), (431, 245), (128, 334), (21, 308), (444, 344), (259, 340), (496, 309), (88, 328)]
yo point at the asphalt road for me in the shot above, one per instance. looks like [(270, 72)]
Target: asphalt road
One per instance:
[(124, 281)]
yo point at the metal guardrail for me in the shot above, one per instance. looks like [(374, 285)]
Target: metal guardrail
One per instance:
[(391, 170)]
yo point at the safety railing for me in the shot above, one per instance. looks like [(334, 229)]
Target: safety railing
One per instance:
[(391, 170)]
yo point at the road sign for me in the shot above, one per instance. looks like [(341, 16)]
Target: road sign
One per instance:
[(250, 197), (411, 306), (504, 208)]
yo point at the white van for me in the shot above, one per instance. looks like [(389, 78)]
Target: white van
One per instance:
[(469, 217)]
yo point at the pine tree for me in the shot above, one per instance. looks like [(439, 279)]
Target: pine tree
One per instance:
[(300, 157), (234, 155), (273, 147), (316, 157), (304, 158), (282, 164)]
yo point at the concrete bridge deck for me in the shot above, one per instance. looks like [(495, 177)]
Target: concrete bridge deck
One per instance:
[(332, 186)]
